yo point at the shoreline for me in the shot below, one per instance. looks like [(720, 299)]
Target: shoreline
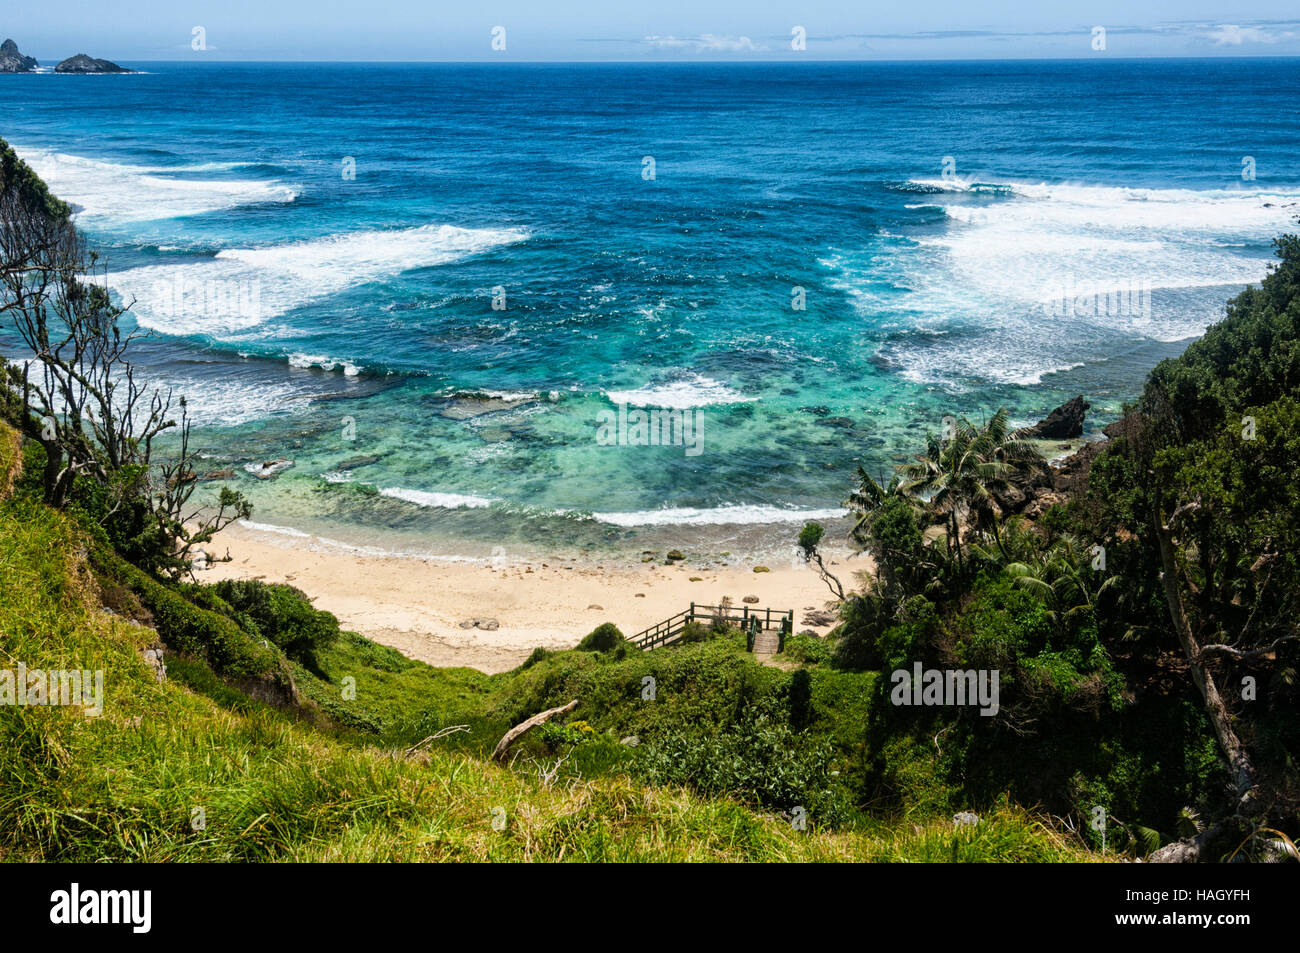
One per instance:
[(418, 605)]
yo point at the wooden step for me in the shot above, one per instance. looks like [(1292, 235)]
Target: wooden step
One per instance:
[(767, 642)]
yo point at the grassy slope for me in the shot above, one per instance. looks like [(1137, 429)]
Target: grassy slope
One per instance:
[(274, 786)]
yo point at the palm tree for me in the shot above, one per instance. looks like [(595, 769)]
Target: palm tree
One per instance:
[(1062, 578), (957, 478), (867, 500)]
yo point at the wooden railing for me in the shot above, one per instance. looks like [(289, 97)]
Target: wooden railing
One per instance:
[(741, 617)]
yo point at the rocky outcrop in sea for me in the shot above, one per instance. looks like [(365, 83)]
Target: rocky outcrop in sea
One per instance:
[(81, 63), (12, 61), (1064, 422)]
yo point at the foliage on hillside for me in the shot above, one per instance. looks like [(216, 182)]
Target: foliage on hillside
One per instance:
[(17, 176), (1145, 633), (190, 769)]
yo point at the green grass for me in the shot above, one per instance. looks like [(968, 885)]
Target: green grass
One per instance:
[(334, 780)]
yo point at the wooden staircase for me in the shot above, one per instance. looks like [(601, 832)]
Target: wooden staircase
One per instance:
[(767, 642), (765, 630)]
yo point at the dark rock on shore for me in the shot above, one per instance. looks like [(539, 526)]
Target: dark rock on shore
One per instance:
[(819, 617), (1072, 473), (1064, 422), (271, 468), (11, 61), (81, 63)]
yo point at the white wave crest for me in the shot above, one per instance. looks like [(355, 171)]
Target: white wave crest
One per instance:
[(111, 191), (1031, 279), (242, 287), (732, 514), (442, 501), (694, 390)]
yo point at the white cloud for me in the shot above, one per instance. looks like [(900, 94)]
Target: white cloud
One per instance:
[(707, 43), (1230, 34)]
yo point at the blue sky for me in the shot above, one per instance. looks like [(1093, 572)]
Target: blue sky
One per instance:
[(680, 30)]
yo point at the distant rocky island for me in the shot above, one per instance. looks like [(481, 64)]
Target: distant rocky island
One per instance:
[(13, 61), (81, 63)]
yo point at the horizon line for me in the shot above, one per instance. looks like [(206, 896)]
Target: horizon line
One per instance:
[(697, 61)]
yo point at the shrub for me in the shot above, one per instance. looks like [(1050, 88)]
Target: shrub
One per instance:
[(809, 649), (696, 632), (604, 637), (539, 654), (284, 615), (761, 760), (186, 627)]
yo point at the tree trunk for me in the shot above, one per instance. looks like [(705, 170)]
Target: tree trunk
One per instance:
[(1243, 771), (513, 735), (50, 479), (961, 566)]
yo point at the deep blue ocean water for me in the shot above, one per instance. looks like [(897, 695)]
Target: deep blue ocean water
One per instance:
[(966, 235)]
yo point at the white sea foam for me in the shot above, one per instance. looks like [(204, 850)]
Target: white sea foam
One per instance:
[(116, 192), (272, 528), (1033, 278), (279, 278), (1024, 245), (231, 402), (511, 395), (443, 501), (693, 390), (324, 363), (734, 514)]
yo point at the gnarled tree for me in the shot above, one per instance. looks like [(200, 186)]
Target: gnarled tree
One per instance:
[(76, 391)]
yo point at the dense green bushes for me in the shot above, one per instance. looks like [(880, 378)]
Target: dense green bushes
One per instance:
[(17, 176), (1195, 494), (760, 759), (185, 627), (604, 638), (282, 614), (1249, 359)]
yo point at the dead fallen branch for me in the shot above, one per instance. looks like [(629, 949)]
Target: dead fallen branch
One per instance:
[(438, 735), (513, 735)]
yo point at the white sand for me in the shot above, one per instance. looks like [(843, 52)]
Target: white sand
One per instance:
[(415, 605)]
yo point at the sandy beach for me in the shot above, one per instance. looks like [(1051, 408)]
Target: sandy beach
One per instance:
[(418, 605)]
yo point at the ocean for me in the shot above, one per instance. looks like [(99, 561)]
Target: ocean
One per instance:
[(448, 292)]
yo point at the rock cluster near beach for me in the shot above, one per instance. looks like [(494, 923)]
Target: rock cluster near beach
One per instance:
[(81, 63), (1033, 494), (1062, 423), (12, 61)]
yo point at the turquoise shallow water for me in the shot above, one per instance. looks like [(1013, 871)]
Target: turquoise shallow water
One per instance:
[(966, 236)]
